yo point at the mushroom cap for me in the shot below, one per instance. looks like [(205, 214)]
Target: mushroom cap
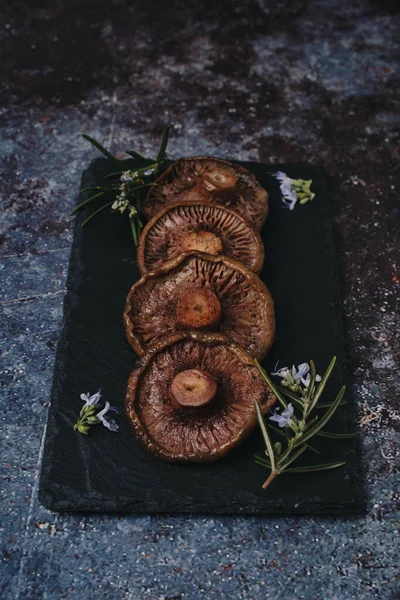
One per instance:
[(185, 293), (188, 433), (210, 228), (206, 179)]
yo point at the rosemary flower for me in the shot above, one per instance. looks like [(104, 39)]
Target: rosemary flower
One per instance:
[(88, 415), (285, 418), (294, 190)]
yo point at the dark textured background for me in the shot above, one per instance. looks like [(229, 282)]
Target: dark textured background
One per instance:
[(281, 81)]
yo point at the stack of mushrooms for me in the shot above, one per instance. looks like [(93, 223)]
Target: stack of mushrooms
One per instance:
[(200, 314)]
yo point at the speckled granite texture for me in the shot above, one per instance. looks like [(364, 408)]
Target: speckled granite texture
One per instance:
[(282, 81)]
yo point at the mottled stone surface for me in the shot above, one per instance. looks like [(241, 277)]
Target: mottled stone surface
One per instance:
[(282, 81)]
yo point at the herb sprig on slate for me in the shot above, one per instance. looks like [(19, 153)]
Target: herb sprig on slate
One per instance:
[(298, 396), (88, 415), (126, 192)]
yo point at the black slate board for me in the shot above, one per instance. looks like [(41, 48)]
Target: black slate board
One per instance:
[(109, 471)]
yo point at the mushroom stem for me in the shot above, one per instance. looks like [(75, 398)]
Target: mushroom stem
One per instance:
[(192, 388), (198, 308), (204, 241), (219, 180)]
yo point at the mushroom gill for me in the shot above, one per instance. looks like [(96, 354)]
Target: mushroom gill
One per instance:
[(204, 179), (192, 397), (209, 228), (204, 292)]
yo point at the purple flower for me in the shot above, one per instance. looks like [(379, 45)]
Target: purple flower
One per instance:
[(303, 373), (109, 423), (91, 400), (289, 196), (285, 418), (126, 177), (299, 374)]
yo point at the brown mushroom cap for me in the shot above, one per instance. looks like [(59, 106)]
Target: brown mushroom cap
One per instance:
[(204, 179), (178, 432), (187, 291), (210, 228)]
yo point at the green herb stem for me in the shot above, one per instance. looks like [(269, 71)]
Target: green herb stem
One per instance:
[(297, 430), (86, 221)]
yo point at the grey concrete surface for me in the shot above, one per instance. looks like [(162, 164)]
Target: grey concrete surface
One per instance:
[(282, 81)]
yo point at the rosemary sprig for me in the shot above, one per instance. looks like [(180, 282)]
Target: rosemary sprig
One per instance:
[(297, 423), (127, 193)]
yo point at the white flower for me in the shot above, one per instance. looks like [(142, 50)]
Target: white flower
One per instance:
[(301, 374), (285, 418), (289, 196), (91, 400), (126, 177), (109, 423), (132, 211), (293, 190), (282, 373), (301, 370)]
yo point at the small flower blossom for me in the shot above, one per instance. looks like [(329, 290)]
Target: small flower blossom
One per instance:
[(91, 400), (132, 212), (285, 418), (121, 203), (295, 376), (125, 177), (109, 423), (88, 416), (294, 190), (129, 176)]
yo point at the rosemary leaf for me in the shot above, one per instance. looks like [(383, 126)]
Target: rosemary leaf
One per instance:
[(288, 450), (82, 204), (311, 385), (313, 449), (153, 165), (339, 436), (86, 221), (265, 434), (296, 455), (262, 461), (163, 146), (135, 155), (280, 431), (270, 383), (328, 404), (314, 420), (144, 185), (94, 188), (288, 393), (134, 231), (325, 467), (322, 384), (101, 148), (323, 420), (114, 174)]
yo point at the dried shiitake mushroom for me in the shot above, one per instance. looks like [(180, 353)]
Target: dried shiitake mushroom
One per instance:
[(192, 397), (203, 179), (204, 292), (210, 228)]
